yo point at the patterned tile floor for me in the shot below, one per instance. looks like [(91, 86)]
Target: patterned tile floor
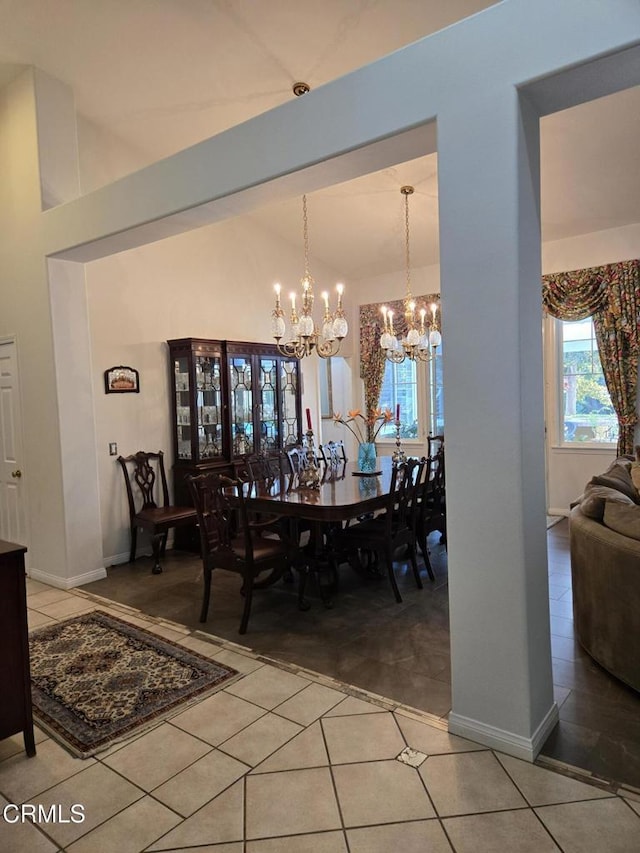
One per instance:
[(288, 761)]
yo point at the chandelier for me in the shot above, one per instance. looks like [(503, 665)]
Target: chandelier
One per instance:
[(420, 341), (304, 336)]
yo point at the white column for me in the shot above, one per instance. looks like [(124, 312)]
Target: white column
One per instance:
[(489, 189)]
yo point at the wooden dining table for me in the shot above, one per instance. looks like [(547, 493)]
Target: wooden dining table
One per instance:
[(343, 494)]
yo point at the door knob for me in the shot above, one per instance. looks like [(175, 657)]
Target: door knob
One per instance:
[(17, 473)]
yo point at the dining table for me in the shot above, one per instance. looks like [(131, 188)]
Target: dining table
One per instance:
[(343, 493)]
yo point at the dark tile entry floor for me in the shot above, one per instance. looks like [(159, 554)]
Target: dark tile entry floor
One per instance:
[(400, 651)]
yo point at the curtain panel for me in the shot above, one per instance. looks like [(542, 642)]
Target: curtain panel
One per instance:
[(372, 358), (611, 295)]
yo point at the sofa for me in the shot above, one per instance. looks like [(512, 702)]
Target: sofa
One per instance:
[(604, 530)]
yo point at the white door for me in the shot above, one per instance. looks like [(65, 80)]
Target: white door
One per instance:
[(12, 513)]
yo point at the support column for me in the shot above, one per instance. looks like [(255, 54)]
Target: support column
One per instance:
[(489, 191)]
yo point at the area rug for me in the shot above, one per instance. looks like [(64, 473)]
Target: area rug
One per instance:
[(96, 679)]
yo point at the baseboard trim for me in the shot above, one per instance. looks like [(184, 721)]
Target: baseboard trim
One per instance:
[(67, 583), (504, 741), (558, 511)]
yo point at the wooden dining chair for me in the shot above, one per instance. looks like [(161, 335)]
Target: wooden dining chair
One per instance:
[(333, 454), (144, 475), (229, 540), (394, 528)]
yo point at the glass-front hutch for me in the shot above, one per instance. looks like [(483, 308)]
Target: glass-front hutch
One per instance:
[(229, 399)]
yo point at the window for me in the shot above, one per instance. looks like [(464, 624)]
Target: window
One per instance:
[(417, 388), (586, 411)]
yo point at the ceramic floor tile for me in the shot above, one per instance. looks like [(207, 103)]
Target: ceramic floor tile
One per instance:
[(499, 832), (218, 718), (130, 830), (288, 803), (38, 620), (156, 756), (305, 750), (469, 782), (253, 744), (18, 837), (323, 842), (431, 740), (367, 737), (412, 837), (353, 705), (242, 663), (14, 745), (66, 607), (22, 778), (309, 704), (47, 596), (543, 787), (220, 821), (593, 827), (268, 686), (380, 792), (201, 782), (99, 790), (34, 586)]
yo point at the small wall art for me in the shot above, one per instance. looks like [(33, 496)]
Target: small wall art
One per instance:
[(121, 380)]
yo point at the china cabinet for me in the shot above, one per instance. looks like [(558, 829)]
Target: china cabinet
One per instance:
[(229, 399)]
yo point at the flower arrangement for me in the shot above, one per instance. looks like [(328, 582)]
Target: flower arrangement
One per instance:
[(359, 425)]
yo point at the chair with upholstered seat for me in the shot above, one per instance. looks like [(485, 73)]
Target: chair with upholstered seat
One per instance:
[(230, 541), (431, 514), (143, 474)]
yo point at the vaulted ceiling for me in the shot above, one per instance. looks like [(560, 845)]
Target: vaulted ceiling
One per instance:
[(160, 75)]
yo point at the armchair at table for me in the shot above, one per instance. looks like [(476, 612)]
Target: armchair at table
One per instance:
[(143, 472), (394, 528), (432, 511), (230, 541)]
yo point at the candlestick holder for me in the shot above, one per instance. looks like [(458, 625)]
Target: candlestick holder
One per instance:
[(309, 475), (398, 454)]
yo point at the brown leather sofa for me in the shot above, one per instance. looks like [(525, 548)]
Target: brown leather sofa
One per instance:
[(605, 570)]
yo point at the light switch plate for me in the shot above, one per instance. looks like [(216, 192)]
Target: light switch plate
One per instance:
[(113, 448)]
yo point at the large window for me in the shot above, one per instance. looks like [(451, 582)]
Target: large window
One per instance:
[(586, 411), (417, 388)]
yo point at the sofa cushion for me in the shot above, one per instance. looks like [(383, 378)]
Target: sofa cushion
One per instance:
[(592, 504), (618, 477), (635, 474), (623, 518)]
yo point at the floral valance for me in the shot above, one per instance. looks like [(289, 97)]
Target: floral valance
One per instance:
[(611, 295)]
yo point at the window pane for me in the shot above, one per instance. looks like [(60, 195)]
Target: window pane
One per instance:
[(436, 425), (399, 386), (586, 406)]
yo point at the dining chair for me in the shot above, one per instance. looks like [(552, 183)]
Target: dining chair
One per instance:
[(431, 512), (333, 454), (394, 528), (229, 540), (144, 473)]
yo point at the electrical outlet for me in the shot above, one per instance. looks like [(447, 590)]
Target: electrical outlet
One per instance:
[(113, 448)]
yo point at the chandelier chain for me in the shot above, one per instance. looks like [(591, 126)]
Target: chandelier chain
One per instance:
[(305, 231), (406, 234)]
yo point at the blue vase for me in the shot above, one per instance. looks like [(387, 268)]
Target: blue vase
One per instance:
[(367, 456)]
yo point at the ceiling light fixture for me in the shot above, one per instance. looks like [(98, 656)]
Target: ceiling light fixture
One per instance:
[(415, 344), (304, 336)]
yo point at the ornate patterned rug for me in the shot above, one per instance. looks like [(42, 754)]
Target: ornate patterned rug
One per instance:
[(96, 679)]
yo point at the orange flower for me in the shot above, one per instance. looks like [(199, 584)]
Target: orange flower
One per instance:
[(354, 413)]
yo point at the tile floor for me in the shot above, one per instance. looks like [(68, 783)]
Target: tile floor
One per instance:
[(402, 651), (287, 761)]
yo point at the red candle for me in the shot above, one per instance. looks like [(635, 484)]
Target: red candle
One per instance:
[(397, 411), (309, 427)]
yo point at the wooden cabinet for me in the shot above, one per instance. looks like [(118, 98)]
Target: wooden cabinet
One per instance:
[(15, 676), (229, 399)]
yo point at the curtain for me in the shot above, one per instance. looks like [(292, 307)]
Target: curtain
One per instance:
[(611, 295), (372, 358)]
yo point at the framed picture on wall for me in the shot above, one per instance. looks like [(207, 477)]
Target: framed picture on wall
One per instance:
[(326, 390), (121, 380)]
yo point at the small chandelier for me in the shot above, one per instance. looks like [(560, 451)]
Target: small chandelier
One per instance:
[(419, 342), (304, 336)]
